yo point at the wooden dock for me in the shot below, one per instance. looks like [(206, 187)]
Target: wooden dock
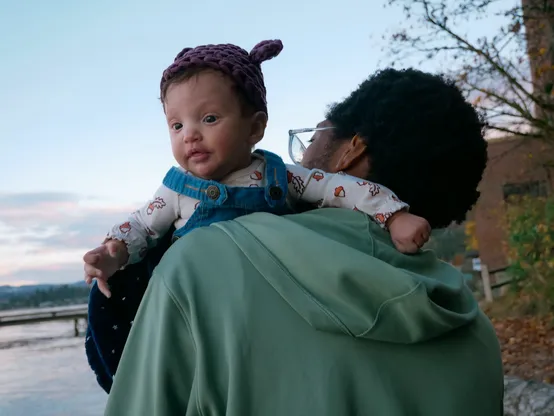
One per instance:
[(63, 313)]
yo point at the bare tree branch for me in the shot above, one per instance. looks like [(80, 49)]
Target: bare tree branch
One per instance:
[(509, 75)]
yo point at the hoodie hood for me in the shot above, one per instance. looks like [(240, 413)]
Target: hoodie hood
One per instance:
[(341, 273)]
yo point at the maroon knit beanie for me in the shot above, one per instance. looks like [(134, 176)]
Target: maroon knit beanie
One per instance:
[(243, 67)]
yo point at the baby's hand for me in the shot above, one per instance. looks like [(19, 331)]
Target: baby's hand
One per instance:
[(408, 232), (102, 262)]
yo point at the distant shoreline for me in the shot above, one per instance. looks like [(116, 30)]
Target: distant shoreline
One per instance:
[(43, 296)]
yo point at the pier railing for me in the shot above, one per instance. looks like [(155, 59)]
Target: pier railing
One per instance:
[(75, 314)]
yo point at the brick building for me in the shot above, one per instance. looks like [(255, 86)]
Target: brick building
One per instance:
[(516, 166)]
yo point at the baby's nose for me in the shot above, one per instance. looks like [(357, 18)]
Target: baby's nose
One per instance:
[(191, 135)]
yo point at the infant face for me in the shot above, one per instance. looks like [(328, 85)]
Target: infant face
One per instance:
[(211, 136)]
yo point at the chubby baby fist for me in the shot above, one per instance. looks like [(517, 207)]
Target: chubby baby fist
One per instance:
[(102, 262), (408, 232)]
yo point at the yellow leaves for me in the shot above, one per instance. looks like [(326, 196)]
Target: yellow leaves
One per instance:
[(471, 238), (473, 243), (529, 226), (542, 228), (542, 51), (477, 100), (470, 228)]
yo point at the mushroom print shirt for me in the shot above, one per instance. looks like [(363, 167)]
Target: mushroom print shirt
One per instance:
[(167, 208)]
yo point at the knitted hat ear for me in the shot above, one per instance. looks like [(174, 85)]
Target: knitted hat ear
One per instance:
[(266, 50), (180, 54)]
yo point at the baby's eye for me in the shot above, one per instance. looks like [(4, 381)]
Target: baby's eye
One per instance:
[(176, 126), (210, 119)]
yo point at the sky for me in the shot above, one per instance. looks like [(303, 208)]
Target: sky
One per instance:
[(82, 133)]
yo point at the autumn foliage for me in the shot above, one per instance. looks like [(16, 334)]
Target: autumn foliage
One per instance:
[(524, 318), (529, 224)]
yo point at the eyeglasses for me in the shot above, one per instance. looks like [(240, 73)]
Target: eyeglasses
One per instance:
[(298, 146)]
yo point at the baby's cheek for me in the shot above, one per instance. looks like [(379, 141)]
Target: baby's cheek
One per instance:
[(178, 150)]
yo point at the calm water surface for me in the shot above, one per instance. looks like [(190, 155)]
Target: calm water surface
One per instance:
[(44, 372)]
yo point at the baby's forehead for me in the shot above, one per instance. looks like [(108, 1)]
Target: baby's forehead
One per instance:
[(206, 81), (200, 90)]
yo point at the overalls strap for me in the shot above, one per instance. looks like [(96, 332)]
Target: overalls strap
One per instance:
[(193, 187), (276, 177)]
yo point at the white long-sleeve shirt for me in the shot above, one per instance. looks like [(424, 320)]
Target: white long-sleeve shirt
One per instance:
[(144, 227)]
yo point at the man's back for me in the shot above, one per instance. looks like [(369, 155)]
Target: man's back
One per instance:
[(308, 314)]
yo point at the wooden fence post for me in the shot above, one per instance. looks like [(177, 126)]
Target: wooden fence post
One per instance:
[(486, 283)]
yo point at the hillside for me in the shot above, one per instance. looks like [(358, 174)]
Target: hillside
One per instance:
[(42, 295)]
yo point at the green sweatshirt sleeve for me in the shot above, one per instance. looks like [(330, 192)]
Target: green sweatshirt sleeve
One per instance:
[(156, 373)]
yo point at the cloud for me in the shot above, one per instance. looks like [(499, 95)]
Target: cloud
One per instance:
[(18, 200), (69, 273), (44, 235)]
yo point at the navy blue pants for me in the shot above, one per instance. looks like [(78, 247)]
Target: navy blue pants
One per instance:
[(112, 318)]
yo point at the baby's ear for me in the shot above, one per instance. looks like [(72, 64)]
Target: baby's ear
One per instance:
[(258, 123)]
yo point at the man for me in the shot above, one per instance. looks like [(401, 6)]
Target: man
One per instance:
[(317, 313)]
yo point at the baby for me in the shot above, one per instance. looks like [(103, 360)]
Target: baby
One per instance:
[(214, 100)]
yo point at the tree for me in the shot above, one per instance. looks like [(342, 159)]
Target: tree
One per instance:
[(507, 75)]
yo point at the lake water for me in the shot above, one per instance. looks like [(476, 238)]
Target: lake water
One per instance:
[(44, 372)]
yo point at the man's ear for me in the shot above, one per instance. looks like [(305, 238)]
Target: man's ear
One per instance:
[(352, 155), (258, 125)]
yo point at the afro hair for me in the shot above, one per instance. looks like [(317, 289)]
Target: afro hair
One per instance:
[(424, 140)]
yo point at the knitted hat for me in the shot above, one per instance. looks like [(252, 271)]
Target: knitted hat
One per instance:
[(243, 67)]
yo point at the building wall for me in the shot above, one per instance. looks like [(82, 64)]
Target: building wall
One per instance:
[(511, 161)]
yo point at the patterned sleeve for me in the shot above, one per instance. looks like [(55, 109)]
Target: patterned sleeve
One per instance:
[(145, 226), (343, 191)]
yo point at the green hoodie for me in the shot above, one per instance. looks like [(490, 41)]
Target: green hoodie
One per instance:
[(308, 314)]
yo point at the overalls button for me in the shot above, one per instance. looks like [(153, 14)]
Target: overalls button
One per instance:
[(212, 192), (275, 193)]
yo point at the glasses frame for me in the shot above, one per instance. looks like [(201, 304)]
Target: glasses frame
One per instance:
[(293, 137)]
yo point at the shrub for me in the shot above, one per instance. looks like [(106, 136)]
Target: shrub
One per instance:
[(529, 224)]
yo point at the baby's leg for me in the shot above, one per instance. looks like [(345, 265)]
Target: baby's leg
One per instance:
[(110, 320), (95, 362)]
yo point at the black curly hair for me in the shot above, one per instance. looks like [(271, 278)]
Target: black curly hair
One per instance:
[(424, 140)]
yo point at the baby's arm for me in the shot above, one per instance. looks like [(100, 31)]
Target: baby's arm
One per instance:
[(128, 242), (408, 231), (343, 191), (147, 225)]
